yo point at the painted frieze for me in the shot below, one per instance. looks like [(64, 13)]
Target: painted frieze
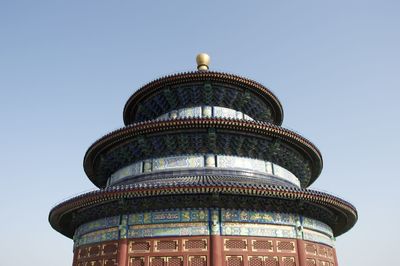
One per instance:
[(204, 222), (190, 161), (98, 224), (172, 216)]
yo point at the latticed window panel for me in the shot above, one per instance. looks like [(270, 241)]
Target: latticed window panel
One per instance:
[(158, 261), (262, 245), (235, 244), (323, 263), (271, 261), (234, 260), (139, 246), (110, 262), (322, 251), (319, 255), (255, 261), (137, 261), (311, 262), (94, 263), (330, 253), (171, 245), (311, 249), (94, 251), (288, 261), (285, 246), (195, 244), (174, 261), (83, 253), (197, 261), (110, 249)]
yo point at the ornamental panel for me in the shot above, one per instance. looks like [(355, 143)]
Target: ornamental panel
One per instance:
[(230, 215), (288, 261), (319, 254), (158, 261), (317, 225), (83, 252), (139, 246), (262, 246), (190, 161), (226, 112), (271, 261), (170, 216), (285, 174), (130, 170), (235, 244), (110, 262), (175, 261), (234, 260), (166, 245), (190, 112), (255, 261), (240, 162), (311, 262), (110, 249), (94, 251), (94, 263), (314, 236), (197, 260), (265, 230), (311, 249), (286, 246), (193, 245), (97, 224), (137, 261), (99, 236), (157, 230)]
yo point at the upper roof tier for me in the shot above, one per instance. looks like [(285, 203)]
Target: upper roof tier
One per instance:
[(199, 88)]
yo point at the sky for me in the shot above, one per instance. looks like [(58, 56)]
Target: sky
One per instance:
[(68, 67)]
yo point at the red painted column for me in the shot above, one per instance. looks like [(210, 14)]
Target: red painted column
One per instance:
[(301, 252), (123, 252), (335, 257), (216, 248), (75, 259)]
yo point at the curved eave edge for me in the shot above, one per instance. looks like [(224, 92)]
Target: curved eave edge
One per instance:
[(127, 192), (154, 126), (202, 76)]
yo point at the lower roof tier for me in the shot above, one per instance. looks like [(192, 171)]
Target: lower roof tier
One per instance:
[(202, 192), (219, 136)]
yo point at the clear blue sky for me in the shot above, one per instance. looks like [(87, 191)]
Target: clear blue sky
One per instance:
[(67, 68)]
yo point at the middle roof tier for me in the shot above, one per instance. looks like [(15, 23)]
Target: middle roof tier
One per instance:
[(219, 136), (175, 168)]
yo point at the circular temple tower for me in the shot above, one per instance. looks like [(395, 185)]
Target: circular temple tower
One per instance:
[(203, 174)]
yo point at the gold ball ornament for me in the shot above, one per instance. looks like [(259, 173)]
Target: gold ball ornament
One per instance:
[(203, 60)]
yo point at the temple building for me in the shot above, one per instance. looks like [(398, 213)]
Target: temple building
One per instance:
[(203, 174)]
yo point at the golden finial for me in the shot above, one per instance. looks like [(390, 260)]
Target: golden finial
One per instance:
[(202, 61)]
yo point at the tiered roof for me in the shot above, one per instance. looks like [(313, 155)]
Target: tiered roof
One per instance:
[(146, 136)]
